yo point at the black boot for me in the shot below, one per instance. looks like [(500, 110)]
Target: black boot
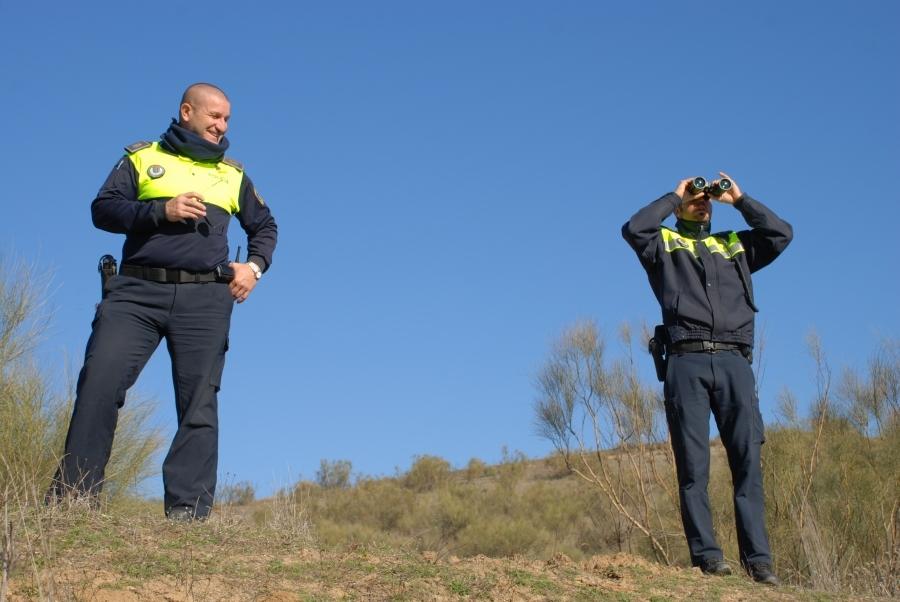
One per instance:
[(761, 572), (715, 566)]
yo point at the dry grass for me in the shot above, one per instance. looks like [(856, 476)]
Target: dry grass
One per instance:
[(130, 553)]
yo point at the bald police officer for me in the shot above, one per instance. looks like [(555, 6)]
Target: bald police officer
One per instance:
[(173, 200)]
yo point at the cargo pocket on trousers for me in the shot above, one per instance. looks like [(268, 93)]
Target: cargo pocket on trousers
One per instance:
[(215, 377)]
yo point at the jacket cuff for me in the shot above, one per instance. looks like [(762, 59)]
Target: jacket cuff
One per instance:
[(258, 260), (159, 212), (674, 199)]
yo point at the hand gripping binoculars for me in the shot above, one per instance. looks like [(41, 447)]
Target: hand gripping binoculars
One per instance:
[(699, 184)]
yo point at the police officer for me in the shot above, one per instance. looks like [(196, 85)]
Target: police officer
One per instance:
[(702, 282), (173, 200)]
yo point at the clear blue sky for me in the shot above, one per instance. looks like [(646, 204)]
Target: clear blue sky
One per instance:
[(449, 180)]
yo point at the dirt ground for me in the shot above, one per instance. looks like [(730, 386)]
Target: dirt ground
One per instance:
[(135, 555), (363, 575)]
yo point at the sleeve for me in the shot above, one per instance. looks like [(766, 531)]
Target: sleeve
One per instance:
[(117, 208), (769, 234), (642, 230), (257, 221)]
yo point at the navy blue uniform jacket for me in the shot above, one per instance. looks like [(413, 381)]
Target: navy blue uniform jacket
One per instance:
[(706, 295)]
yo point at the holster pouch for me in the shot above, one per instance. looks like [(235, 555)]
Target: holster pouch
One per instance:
[(657, 349), (224, 272), (107, 268)]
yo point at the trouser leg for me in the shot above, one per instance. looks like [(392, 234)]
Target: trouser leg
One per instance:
[(740, 424), (197, 341), (687, 393), (124, 334)]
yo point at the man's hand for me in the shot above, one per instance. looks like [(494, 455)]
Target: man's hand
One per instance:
[(684, 192), (730, 196), (243, 282), (187, 205)]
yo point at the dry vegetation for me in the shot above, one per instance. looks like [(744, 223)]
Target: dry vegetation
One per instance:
[(831, 476), (127, 552), (596, 521)]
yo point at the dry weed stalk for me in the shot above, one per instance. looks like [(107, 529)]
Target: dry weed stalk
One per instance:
[(25, 514), (288, 517), (605, 423), (817, 547), (6, 552), (822, 403), (833, 479)]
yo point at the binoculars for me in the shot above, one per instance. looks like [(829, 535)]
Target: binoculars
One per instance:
[(698, 185)]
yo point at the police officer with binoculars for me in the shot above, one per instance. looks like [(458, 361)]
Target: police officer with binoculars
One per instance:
[(702, 282)]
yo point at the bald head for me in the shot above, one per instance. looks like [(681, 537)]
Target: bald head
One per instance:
[(205, 110), (199, 90)]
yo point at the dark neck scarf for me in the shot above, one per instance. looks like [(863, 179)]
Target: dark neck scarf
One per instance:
[(693, 229), (182, 141)]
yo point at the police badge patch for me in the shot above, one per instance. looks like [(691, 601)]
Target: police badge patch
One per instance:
[(156, 171)]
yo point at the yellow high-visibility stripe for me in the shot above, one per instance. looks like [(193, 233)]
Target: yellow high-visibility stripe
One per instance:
[(218, 183), (727, 247)]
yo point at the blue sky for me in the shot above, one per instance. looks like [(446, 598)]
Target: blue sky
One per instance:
[(449, 180)]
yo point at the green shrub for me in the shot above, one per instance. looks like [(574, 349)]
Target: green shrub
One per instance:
[(378, 503), (334, 473), (236, 494), (511, 469), (501, 536), (475, 469), (427, 473)]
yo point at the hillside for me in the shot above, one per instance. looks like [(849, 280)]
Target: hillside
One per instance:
[(131, 554)]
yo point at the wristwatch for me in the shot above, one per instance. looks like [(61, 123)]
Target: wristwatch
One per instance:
[(256, 271)]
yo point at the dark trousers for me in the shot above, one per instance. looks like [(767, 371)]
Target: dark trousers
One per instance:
[(130, 322), (722, 382)]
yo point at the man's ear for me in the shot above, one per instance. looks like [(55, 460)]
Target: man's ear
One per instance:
[(184, 112)]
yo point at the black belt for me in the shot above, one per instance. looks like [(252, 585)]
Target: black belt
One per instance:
[(705, 347), (169, 275)]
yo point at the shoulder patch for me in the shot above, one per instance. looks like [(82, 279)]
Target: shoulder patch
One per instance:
[(258, 197), (135, 147), (234, 163)]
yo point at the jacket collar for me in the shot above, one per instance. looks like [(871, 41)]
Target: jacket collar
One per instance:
[(693, 229)]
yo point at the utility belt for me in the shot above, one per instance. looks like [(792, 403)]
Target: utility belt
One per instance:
[(706, 347), (176, 276), (661, 349)]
